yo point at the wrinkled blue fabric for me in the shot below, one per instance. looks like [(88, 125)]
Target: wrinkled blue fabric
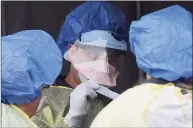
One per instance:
[(29, 59), (91, 15), (162, 43)]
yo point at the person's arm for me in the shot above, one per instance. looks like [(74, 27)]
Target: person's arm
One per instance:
[(81, 99)]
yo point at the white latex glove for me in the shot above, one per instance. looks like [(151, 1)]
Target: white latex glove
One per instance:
[(81, 99)]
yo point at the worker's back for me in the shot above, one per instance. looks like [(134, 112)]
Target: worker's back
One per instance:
[(148, 105)]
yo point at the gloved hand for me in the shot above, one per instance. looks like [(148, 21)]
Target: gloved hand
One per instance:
[(81, 99)]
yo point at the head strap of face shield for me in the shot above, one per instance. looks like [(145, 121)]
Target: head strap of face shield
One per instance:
[(102, 38)]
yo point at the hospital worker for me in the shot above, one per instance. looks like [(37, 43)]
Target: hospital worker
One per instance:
[(162, 44), (31, 60), (92, 39)]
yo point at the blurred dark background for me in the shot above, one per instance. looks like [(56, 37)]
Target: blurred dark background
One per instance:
[(50, 15)]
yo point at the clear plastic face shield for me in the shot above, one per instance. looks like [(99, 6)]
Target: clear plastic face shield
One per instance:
[(96, 60)]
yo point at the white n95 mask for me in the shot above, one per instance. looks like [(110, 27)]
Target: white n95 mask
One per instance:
[(102, 78)]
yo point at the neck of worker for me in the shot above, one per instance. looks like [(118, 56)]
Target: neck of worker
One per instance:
[(72, 79), (30, 108)]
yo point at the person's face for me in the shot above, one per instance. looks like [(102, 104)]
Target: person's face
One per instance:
[(84, 54)]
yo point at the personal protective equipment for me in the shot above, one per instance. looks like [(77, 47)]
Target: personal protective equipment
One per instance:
[(92, 15), (55, 104), (56, 109), (162, 43), (88, 17), (92, 62), (80, 104), (101, 27), (14, 117), (106, 39), (28, 58), (148, 105)]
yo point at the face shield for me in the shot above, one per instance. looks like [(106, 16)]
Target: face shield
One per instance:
[(95, 59)]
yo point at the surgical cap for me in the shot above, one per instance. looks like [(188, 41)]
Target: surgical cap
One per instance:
[(89, 16), (162, 43), (30, 59)]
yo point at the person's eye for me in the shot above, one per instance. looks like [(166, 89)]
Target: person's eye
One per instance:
[(111, 58)]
